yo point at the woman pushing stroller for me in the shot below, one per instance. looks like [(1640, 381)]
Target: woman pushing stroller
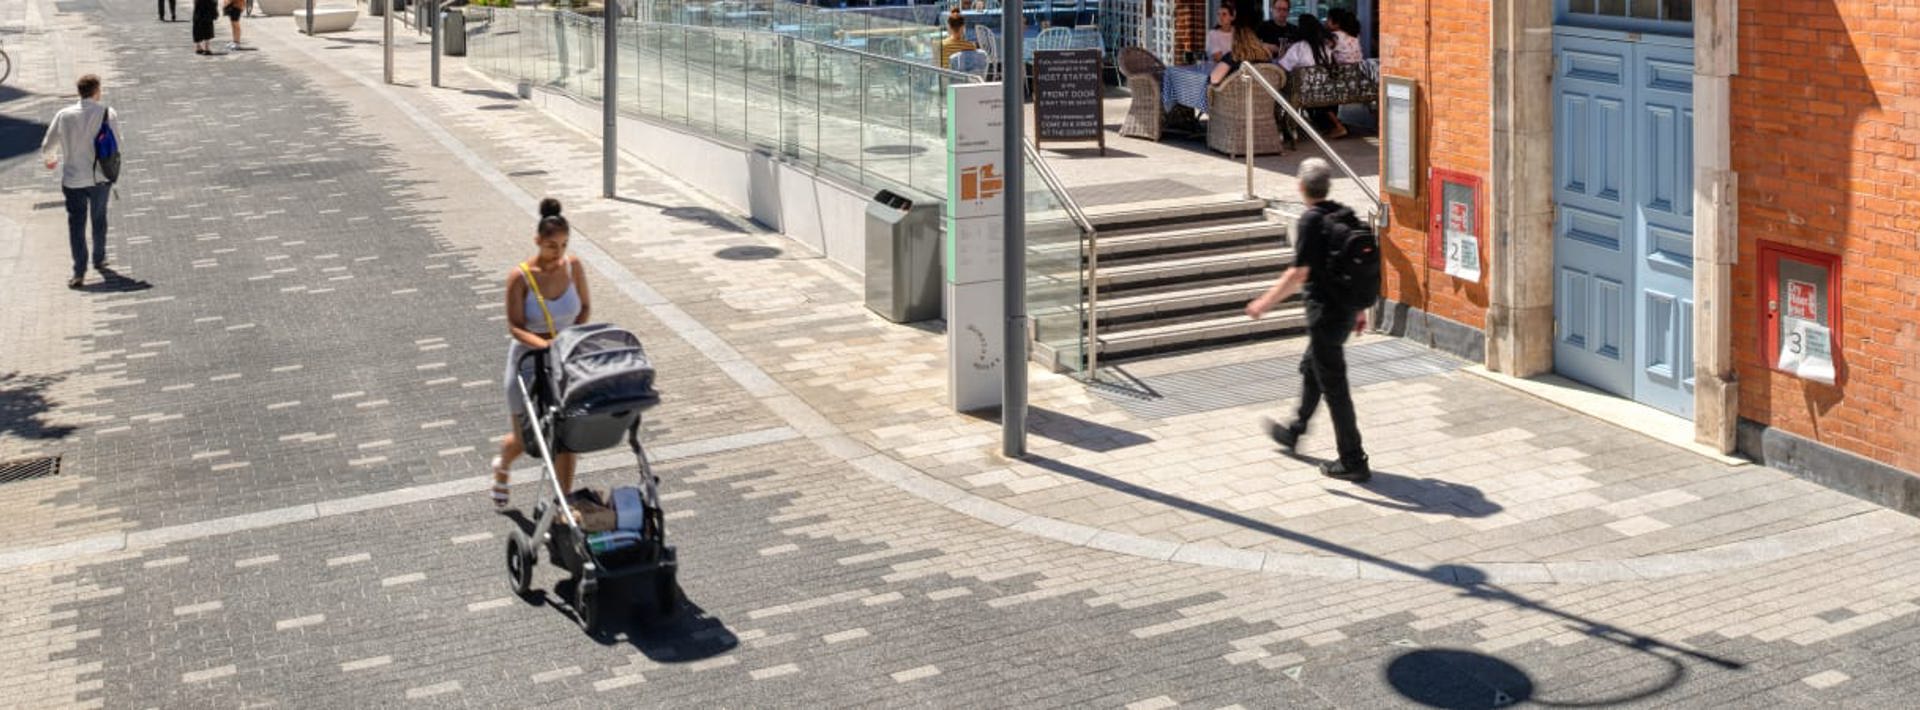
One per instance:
[(545, 295)]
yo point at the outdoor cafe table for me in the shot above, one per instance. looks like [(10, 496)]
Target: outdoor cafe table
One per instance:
[(1186, 85)]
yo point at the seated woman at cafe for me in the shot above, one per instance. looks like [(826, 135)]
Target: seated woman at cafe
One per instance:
[(1246, 47), (1345, 29), (1314, 49), (1220, 38), (956, 41)]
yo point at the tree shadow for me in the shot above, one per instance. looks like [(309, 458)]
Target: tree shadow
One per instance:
[(1471, 581), (24, 406)]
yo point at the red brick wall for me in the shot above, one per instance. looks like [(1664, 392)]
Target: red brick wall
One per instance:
[(1449, 54), (1826, 139), (1190, 23)]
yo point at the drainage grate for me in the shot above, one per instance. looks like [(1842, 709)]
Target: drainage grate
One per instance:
[(1273, 381), (25, 469)]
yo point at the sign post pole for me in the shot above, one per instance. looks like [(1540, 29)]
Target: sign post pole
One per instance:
[(1013, 394), (386, 42), (609, 99), (433, 21)]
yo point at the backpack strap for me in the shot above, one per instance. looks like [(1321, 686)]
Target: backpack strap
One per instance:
[(535, 287)]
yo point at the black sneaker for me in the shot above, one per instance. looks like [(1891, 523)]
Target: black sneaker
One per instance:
[(1287, 437), (1356, 472)]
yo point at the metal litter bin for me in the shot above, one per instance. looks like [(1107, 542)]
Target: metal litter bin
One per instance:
[(903, 257), (453, 33)]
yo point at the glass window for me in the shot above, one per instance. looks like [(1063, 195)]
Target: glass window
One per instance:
[(1668, 10)]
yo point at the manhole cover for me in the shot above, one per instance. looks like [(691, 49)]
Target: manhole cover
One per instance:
[(747, 253), (896, 149), (27, 469)]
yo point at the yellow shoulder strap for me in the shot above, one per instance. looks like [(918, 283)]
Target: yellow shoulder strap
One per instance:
[(535, 287)]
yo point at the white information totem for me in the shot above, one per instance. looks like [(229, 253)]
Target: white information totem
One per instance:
[(975, 245)]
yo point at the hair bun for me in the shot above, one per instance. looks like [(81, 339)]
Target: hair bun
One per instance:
[(549, 207)]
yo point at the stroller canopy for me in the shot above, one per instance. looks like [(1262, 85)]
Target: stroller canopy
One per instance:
[(598, 368)]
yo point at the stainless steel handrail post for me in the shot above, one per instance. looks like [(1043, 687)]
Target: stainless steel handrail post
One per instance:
[(1091, 244), (1379, 207), (1246, 83)]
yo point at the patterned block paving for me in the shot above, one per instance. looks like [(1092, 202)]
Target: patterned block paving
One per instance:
[(1042, 622)]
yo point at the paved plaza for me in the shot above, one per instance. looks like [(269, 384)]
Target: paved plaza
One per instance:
[(274, 423)]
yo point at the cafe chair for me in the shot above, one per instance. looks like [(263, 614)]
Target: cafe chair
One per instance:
[(1143, 73)]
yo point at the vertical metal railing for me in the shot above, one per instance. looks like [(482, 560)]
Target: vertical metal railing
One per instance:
[(1379, 207), (1090, 255)]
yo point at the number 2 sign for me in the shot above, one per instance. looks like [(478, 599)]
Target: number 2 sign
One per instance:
[(1453, 237)]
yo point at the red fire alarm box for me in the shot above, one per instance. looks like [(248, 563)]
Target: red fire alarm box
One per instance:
[(1800, 311), (1454, 235)]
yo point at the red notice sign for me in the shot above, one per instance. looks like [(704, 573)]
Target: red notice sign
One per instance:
[(1800, 295)]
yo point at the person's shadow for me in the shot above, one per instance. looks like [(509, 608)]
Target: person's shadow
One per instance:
[(112, 281), (1430, 496)]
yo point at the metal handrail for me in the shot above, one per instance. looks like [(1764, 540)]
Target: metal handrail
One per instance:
[(1091, 341), (1379, 207)]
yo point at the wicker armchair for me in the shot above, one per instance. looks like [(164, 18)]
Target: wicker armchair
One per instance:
[(1143, 73), (1227, 113)]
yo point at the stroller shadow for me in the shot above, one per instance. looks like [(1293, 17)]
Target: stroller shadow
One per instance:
[(684, 634), (1427, 496)]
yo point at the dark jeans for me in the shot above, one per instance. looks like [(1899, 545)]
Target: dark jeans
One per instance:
[(1323, 375), (83, 203), (169, 8)]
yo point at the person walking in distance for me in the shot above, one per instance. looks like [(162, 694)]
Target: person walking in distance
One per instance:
[(205, 12), (69, 146), (169, 10), (1336, 260), (233, 10)]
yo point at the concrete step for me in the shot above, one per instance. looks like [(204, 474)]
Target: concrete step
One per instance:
[(1196, 334), (1187, 212), (1187, 272), (1148, 310), (1189, 241)]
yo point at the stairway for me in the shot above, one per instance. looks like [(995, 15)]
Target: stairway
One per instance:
[(1175, 276)]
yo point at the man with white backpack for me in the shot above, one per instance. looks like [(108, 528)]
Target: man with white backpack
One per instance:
[(83, 141)]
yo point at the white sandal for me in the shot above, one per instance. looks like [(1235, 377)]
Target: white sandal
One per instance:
[(501, 477)]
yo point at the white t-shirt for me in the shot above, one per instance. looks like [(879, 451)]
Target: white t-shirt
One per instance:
[(69, 139), (1346, 49), (1219, 43), (1298, 55)]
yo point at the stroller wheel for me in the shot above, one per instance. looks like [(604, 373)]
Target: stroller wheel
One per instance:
[(587, 605), (519, 565)]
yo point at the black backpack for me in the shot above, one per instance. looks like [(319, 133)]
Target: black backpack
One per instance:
[(1352, 277)]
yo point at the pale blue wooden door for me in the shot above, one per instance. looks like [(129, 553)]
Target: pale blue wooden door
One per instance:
[(1663, 216), (1623, 233), (1592, 252)]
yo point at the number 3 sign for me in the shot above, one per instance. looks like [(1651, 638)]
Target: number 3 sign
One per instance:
[(1801, 319)]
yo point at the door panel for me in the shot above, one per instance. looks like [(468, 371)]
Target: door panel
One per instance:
[(1664, 215), (1623, 234), (1592, 248)]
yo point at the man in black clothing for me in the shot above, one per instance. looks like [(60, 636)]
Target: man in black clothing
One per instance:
[(169, 9), (1323, 368), (1278, 32)]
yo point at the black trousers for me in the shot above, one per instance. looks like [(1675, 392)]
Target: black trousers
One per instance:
[(1323, 375), (169, 8)]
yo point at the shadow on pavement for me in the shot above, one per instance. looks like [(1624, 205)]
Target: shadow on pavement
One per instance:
[(1427, 496), (24, 404), (1472, 582), (1080, 433), (683, 634), (115, 282)]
